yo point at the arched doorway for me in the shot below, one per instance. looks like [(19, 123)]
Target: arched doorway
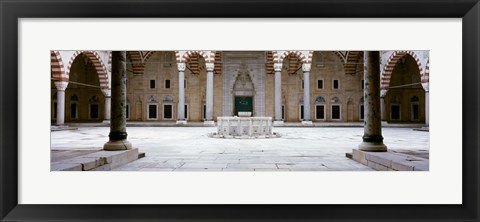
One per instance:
[(405, 98), (84, 101), (243, 91)]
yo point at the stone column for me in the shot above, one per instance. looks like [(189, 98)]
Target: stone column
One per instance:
[(372, 137), (209, 95), (107, 93), (306, 93), (181, 93), (61, 86), (427, 109), (278, 93), (118, 130)]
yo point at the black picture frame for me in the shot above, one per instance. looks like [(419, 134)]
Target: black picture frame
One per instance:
[(11, 11)]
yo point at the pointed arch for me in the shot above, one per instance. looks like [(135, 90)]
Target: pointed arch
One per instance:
[(298, 54), (390, 66), (97, 63)]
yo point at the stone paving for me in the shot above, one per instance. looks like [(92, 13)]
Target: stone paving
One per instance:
[(190, 149)]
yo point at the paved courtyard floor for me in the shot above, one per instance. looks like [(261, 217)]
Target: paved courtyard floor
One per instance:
[(190, 149)]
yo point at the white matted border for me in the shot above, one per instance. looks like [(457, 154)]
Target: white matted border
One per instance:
[(441, 185)]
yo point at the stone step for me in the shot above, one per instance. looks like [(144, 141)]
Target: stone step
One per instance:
[(96, 161), (349, 155)]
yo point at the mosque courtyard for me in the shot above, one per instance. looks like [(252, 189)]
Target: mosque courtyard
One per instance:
[(190, 148)]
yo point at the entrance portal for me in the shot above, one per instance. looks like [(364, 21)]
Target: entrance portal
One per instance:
[(243, 104)]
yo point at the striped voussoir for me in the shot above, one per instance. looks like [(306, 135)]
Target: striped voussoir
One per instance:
[(97, 63), (218, 63), (352, 62), (56, 67), (296, 54), (426, 76), (192, 58), (270, 61), (392, 62)]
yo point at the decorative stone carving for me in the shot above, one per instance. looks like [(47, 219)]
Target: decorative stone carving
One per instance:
[(107, 92), (277, 67), (306, 67), (181, 67), (152, 99), (61, 85), (210, 66)]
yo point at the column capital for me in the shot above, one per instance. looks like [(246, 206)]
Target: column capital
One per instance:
[(306, 67), (425, 86), (210, 66), (61, 85), (277, 67), (181, 67), (107, 92)]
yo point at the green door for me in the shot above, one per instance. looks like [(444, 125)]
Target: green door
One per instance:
[(243, 104)]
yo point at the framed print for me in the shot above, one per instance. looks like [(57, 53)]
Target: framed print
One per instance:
[(36, 35)]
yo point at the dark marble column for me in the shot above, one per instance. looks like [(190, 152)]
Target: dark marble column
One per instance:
[(118, 130), (372, 137)]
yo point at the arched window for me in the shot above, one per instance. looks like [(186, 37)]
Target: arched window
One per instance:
[(319, 99), (335, 109), (320, 108)]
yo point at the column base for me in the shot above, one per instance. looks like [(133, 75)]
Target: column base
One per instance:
[(372, 147), (181, 122), (278, 123), (209, 123), (307, 123), (117, 145)]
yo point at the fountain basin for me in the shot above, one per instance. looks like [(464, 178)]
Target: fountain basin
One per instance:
[(244, 127)]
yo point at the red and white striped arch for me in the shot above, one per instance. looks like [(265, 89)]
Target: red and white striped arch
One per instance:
[(392, 61), (184, 56), (97, 63), (56, 67), (303, 56)]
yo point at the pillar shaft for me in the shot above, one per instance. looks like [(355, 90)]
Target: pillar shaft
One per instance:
[(372, 137), (427, 108), (118, 130), (108, 102), (306, 92), (278, 91), (61, 86), (209, 93), (181, 91)]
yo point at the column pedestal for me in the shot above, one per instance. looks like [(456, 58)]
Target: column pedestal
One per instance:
[(118, 131)]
